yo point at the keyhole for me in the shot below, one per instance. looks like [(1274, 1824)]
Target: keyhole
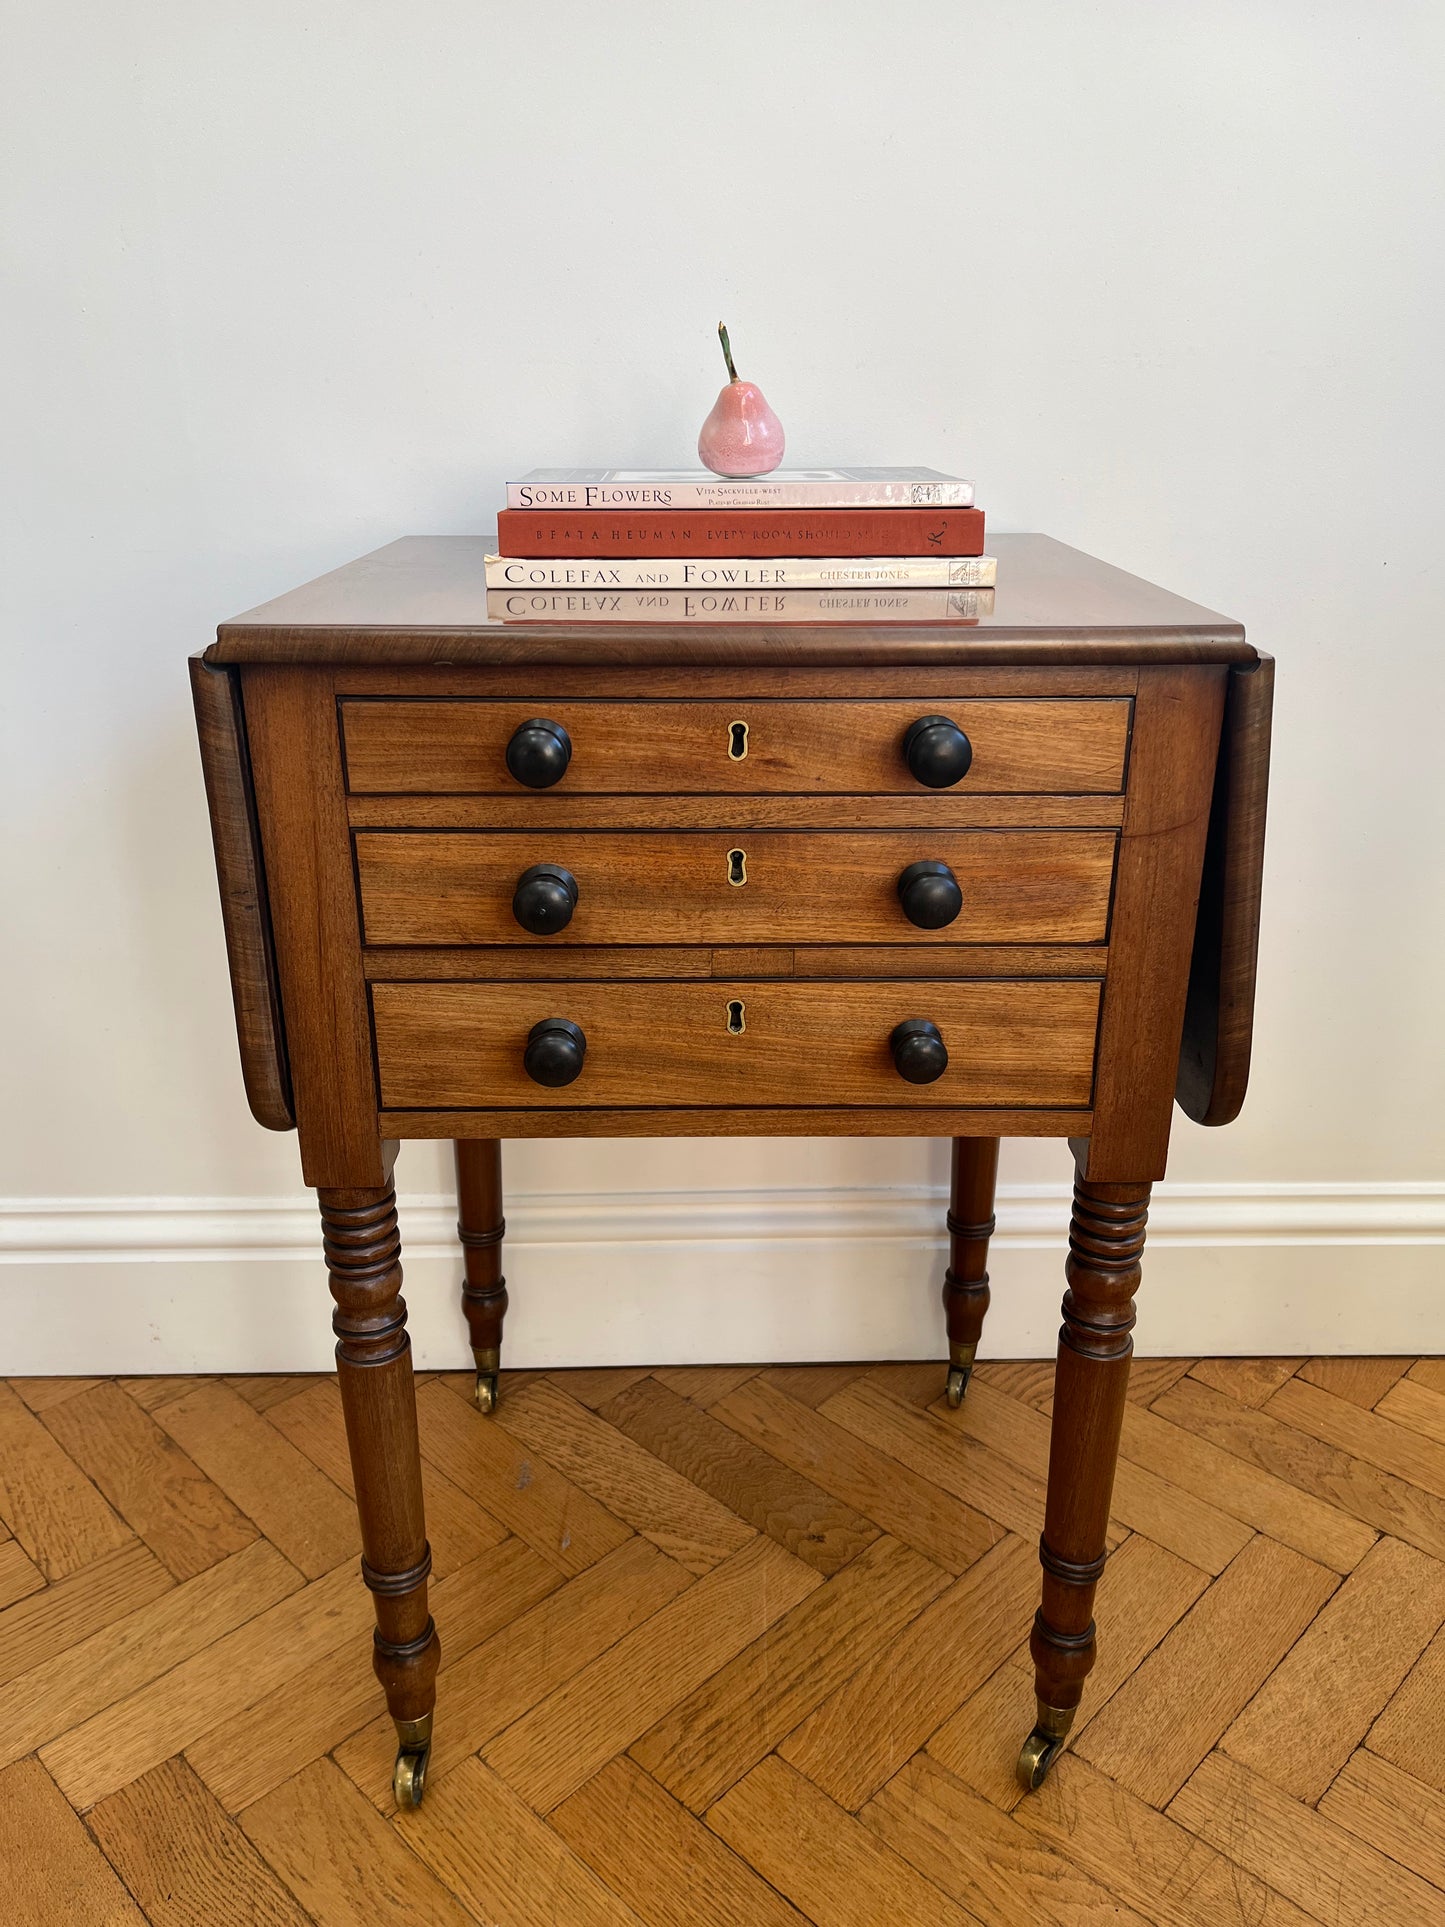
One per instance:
[(737, 1023), (737, 866), (737, 741)]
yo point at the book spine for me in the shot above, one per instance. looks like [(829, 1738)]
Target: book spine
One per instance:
[(587, 497), (525, 533), (740, 605), (787, 572)]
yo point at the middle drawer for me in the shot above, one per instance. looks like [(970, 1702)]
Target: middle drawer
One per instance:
[(791, 887)]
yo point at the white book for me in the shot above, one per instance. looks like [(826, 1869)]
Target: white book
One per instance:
[(739, 605), (744, 572), (698, 488)]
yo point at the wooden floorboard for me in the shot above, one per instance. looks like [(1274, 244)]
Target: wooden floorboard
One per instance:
[(727, 1645)]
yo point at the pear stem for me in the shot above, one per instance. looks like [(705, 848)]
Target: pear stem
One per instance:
[(727, 352)]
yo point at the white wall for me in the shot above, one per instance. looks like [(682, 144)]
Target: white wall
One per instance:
[(287, 280)]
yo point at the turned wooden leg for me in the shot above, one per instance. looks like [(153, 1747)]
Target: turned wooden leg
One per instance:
[(965, 1283), (373, 1367), (1106, 1237), (481, 1228)]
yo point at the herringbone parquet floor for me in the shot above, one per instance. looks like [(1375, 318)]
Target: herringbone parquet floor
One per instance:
[(727, 1648)]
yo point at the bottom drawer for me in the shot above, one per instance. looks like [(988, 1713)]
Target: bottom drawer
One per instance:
[(461, 1046)]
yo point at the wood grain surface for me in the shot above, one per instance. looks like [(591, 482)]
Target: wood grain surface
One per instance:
[(919, 1119), (423, 600), (564, 809), (667, 748), (245, 908), (1156, 892), (442, 1045), (291, 722), (793, 1697), (712, 887), (1219, 1015), (537, 962)]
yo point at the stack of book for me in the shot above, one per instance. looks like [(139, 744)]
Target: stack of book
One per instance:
[(800, 545)]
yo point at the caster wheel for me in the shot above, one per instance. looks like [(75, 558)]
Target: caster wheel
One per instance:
[(958, 1377), (486, 1392), (408, 1779), (1040, 1752)]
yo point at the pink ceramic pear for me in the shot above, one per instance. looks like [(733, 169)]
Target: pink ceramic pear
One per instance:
[(742, 435)]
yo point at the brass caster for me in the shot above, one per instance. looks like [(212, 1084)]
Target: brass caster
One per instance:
[(1040, 1752), (1044, 1745), (408, 1779), (961, 1355), (489, 1365)]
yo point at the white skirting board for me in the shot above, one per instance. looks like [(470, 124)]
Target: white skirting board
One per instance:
[(138, 1285)]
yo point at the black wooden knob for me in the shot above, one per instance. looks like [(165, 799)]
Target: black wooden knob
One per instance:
[(554, 1053), (919, 1053), (544, 899), (539, 753), (929, 894), (937, 752)]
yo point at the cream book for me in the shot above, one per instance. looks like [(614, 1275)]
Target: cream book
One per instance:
[(745, 572), (739, 605), (698, 488)]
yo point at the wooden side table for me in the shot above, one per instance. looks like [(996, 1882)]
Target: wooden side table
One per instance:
[(487, 879)]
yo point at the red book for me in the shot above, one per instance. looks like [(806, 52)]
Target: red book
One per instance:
[(739, 532)]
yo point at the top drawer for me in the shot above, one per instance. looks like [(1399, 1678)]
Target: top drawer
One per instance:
[(422, 747)]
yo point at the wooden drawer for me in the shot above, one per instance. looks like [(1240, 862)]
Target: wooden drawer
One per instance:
[(456, 887), (450, 1046), (424, 747)]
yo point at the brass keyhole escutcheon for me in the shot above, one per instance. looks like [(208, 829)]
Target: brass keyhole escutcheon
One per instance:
[(737, 1021), (737, 741), (737, 867)]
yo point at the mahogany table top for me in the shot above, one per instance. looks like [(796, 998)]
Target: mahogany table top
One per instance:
[(423, 600)]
